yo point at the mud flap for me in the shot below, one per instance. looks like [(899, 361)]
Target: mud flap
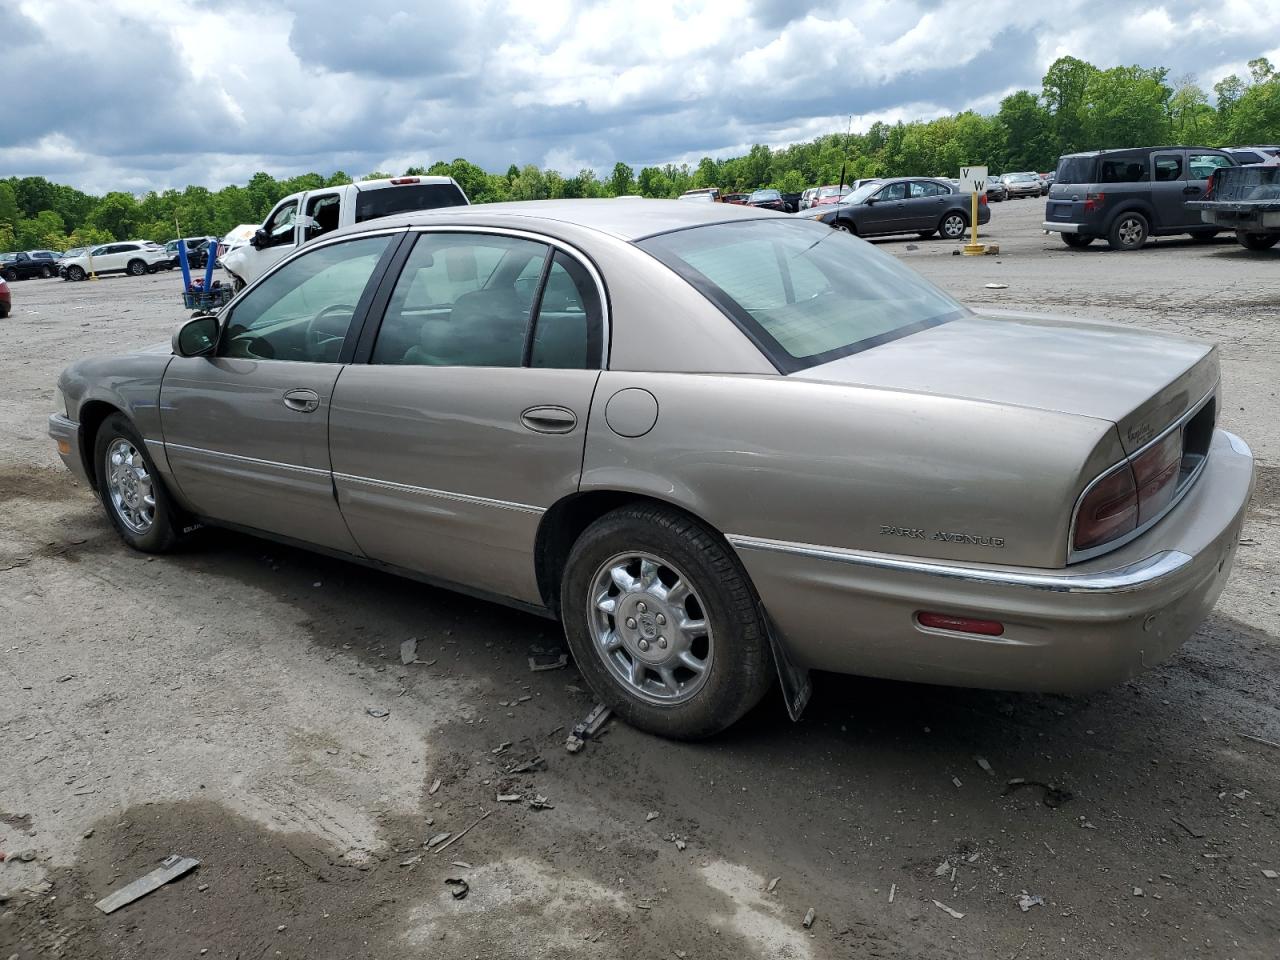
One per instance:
[(796, 685)]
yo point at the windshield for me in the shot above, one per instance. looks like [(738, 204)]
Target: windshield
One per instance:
[(804, 293), (864, 191), (765, 195), (831, 191)]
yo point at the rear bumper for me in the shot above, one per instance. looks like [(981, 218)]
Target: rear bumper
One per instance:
[(1053, 226), (1067, 630), (66, 434)]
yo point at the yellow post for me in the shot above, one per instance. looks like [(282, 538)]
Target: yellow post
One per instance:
[(89, 253), (973, 248)]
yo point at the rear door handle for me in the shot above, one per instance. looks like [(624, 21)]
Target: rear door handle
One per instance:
[(549, 419), (302, 399)]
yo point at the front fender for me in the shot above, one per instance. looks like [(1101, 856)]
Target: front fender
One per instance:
[(96, 386)]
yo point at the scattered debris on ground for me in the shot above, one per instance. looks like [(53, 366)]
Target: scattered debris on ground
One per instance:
[(1053, 796), (457, 887), (171, 869), (588, 728), (809, 917), (1028, 900), (378, 713), (945, 909), (409, 651)]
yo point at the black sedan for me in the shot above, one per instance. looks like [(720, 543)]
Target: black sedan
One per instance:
[(903, 205), (769, 199)]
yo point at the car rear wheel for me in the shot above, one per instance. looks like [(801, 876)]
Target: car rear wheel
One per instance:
[(1077, 241), (75, 272), (131, 490), (137, 268), (1257, 241), (1128, 232), (953, 225), (663, 622), (10, 275), (46, 272)]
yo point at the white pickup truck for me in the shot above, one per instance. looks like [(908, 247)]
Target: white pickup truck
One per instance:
[(300, 217)]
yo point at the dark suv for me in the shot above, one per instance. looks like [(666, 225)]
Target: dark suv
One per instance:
[(1130, 195)]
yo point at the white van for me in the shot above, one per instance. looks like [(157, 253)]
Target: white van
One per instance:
[(300, 217)]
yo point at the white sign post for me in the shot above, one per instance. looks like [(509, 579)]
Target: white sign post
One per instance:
[(973, 180)]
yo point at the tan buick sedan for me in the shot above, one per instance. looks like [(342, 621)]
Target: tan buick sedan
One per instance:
[(722, 445)]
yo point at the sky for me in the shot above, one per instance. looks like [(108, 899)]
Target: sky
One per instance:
[(143, 94)]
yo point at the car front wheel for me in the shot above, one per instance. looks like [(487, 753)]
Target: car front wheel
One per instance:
[(137, 268), (844, 226), (131, 490), (952, 226), (75, 273), (10, 275), (1128, 232), (1257, 241), (663, 622)]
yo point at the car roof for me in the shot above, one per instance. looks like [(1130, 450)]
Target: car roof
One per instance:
[(627, 221), (1102, 153)]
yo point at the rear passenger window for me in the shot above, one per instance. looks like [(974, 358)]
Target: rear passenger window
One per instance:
[(919, 189), (567, 333), (1168, 167), (1200, 166), (1122, 170), (459, 302)]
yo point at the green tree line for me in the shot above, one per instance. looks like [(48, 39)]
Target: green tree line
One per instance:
[(1079, 107)]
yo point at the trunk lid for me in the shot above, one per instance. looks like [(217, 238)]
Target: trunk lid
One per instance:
[(1139, 380)]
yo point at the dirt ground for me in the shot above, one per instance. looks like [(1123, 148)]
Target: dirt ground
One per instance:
[(215, 704)]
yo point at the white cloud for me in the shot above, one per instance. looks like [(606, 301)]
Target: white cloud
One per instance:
[(195, 91)]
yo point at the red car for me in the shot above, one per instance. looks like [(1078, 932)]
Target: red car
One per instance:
[(769, 199), (6, 302)]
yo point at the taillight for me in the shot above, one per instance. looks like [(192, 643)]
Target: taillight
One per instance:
[(1108, 510), (1094, 201), (1208, 187), (1156, 473), (982, 198), (401, 181)]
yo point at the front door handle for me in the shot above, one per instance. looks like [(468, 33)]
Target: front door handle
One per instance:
[(1190, 189), (549, 419), (302, 400)]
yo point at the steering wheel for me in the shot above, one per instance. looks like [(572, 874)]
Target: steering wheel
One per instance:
[(328, 326)]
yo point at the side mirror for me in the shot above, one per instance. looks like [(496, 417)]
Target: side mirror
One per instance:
[(260, 239), (870, 200), (196, 337)]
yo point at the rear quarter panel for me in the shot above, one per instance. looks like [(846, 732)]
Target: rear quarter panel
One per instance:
[(861, 468)]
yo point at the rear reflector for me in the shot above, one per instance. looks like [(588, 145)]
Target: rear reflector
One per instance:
[(941, 621), (1108, 510), (401, 181)]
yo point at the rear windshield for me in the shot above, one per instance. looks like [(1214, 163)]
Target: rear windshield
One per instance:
[(1075, 170), (384, 201), (804, 293)]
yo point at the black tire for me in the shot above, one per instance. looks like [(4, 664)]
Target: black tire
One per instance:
[(953, 225), (10, 275), (1129, 231), (136, 268), (46, 273), (75, 272), (740, 667), (1257, 241), (163, 532), (1076, 241), (4, 310), (845, 226)]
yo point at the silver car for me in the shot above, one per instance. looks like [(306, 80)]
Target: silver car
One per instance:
[(723, 446)]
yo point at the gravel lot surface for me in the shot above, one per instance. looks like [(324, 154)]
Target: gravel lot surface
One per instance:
[(215, 704)]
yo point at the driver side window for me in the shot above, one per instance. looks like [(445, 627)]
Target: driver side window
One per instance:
[(279, 228), (302, 311)]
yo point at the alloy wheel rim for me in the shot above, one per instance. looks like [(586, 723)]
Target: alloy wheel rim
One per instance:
[(130, 487), (1130, 231), (954, 226), (650, 628)]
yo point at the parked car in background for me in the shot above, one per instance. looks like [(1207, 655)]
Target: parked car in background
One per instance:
[(709, 194), (1245, 200), (767, 198), (903, 205), (1246, 155), (71, 254), (1048, 179), (301, 217), (452, 395), (807, 198), (1130, 195), (134, 257), (738, 198), (1019, 185), (198, 249), (22, 266), (791, 202), (46, 256), (996, 190), (6, 299), (831, 193)]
